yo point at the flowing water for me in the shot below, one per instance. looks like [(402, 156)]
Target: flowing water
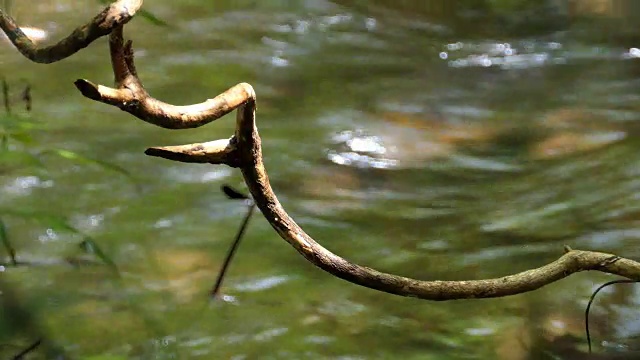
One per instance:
[(437, 140)]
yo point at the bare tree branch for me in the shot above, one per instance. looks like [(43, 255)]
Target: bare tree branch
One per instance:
[(113, 16), (244, 150), (130, 95), (212, 152)]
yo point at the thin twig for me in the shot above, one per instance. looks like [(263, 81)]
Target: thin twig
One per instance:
[(4, 238), (30, 348), (591, 300)]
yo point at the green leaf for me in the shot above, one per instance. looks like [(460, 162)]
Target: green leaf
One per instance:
[(145, 14), (13, 159), (21, 136), (4, 142), (89, 246), (21, 122), (152, 18), (4, 238), (60, 224), (57, 223), (73, 156)]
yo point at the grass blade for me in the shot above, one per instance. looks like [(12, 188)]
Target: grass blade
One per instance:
[(56, 223), (10, 159), (5, 96), (4, 142), (60, 224), (152, 18), (20, 136), (4, 238), (89, 246), (75, 157)]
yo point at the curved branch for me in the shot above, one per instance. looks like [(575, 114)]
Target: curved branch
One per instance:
[(113, 16), (130, 95), (244, 150)]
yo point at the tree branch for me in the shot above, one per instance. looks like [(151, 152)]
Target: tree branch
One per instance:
[(130, 95), (113, 16), (244, 150), (212, 152)]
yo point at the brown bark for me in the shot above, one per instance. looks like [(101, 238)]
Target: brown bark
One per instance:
[(116, 14)]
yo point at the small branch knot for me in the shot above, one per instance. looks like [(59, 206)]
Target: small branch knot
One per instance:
[(129, 106), (611, 260)]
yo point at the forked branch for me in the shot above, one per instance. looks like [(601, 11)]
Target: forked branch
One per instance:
[(244, 150), (130, 95), (113, 16)]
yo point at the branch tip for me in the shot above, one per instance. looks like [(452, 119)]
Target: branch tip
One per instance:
[(88, 89)]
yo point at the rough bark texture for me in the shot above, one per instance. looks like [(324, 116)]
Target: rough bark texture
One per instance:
[(113, 16)]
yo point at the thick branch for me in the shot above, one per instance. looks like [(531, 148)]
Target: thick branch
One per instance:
[(246, 149), (113, 16)]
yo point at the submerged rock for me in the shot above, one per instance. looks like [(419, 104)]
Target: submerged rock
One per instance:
[(571, 131)]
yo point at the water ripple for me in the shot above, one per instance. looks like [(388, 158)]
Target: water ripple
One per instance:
[(523, 54), (263, 283)]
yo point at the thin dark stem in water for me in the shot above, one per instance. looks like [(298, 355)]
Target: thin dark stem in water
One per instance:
[(29, 349), (236, 242), (26, 97), (4, 238), (593, 297), (5, 95)]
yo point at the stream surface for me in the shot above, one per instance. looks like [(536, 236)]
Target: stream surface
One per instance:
[(431, 139)]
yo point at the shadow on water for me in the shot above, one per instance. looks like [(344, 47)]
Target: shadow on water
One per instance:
[(437, 140)]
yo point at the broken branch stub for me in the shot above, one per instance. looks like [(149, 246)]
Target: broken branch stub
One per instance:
[(113, 16)]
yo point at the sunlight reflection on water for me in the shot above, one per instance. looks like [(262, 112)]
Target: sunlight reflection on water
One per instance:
[(522, 54)]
